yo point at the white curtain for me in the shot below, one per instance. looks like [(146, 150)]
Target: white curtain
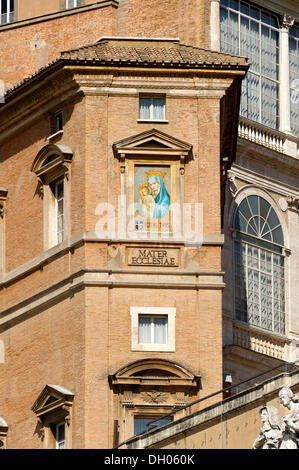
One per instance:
[(144, 330), (160, 330), (158, 109), (152, 330), (144, 108)]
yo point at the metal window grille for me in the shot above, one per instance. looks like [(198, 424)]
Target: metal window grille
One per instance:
[(258, 266), (254, 33)]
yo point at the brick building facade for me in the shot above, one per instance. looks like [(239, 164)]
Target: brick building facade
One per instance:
[(110, 317)]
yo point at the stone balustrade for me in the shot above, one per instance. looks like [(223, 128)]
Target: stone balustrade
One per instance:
[(260, 342), (268, 137)]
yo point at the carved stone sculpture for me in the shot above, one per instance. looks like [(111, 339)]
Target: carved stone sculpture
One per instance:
[(290, 426), (270, 435)]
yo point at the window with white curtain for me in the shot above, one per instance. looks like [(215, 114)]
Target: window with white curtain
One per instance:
[(7, 11), (294, 78), (153, 328), (152, 108), (259, 271), (73, 3), (252, 32)]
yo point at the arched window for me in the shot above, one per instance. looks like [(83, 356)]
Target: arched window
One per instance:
[(259, 278)]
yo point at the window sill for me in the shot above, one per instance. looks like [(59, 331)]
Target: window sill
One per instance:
[(154, 347), (163, 121)]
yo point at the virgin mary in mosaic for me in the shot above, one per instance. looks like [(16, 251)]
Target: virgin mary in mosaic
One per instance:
[(153, 198)]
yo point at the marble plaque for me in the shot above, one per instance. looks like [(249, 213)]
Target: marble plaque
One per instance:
[(151, 256)]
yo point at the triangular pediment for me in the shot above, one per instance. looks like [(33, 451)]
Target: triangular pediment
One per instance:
[(152, 140), (52, 396)]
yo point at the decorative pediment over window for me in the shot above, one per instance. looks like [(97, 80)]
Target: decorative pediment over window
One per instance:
[(54, 401), (3, 432), (3, 197), (153, 372), (149, 389), (52, 161), (152, 143)]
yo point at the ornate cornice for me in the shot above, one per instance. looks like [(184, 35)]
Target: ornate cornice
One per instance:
[(35, 98)]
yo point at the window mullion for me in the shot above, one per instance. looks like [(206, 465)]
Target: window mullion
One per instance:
[(272, 291), (260, 286)]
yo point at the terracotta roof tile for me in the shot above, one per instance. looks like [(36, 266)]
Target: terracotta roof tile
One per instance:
[(148, 52)]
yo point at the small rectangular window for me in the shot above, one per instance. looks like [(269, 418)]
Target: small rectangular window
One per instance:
[(7, 11), (152, 108), (58, 121), (60, 436), (73, 3)]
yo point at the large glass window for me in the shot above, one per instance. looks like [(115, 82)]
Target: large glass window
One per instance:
[(294, 78), (140, 424), (259, 278), (250, 31)]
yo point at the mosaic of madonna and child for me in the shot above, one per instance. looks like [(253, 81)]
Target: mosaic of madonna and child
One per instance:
[(152, 197)]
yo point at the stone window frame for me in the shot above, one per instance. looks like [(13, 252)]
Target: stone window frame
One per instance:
[(53, 163), (54, 407), (151, 147), (169, 312)]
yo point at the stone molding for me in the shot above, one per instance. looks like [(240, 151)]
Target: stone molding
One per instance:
[(264, 182), (260, 341), (105, 278), (89, 237)]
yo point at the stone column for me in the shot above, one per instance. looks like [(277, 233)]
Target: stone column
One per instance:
[(284, 75), (215, 25)]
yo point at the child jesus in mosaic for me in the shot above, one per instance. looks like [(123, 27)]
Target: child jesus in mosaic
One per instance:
[(147, 201)]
